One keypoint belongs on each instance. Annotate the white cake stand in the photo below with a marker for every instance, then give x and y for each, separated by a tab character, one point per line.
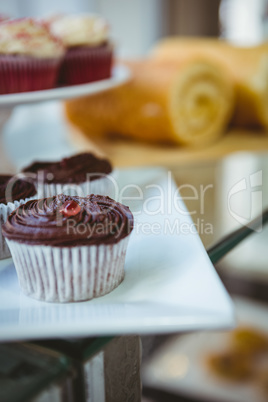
120	75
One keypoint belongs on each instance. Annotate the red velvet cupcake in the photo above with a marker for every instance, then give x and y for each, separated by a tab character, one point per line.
30	56
89	54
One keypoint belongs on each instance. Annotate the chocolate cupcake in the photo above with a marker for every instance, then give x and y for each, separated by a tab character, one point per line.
30	57
82	174
13	193
69	248
89	54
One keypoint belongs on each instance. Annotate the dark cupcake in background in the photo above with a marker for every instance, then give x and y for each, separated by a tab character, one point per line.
89	54
81	174
13	193
30	57
69	248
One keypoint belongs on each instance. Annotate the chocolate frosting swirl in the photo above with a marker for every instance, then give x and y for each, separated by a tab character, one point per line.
93	220
76	169
13	189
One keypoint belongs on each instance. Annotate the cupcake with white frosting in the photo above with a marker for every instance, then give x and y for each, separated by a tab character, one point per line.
30	56
89	52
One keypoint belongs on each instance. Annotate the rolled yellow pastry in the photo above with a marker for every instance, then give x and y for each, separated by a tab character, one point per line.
175	102
248	67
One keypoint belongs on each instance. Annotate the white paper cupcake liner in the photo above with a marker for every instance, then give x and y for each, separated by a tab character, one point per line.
5	210
67	274
102	186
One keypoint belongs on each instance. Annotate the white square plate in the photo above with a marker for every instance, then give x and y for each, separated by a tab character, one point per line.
170	284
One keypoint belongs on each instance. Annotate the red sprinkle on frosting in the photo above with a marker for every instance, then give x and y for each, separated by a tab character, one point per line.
70	208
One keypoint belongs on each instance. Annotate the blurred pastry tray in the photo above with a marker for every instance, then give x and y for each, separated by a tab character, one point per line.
170	283
179	366
123	151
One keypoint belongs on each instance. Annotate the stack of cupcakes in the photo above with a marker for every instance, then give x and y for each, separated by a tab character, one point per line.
37	55
67	247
